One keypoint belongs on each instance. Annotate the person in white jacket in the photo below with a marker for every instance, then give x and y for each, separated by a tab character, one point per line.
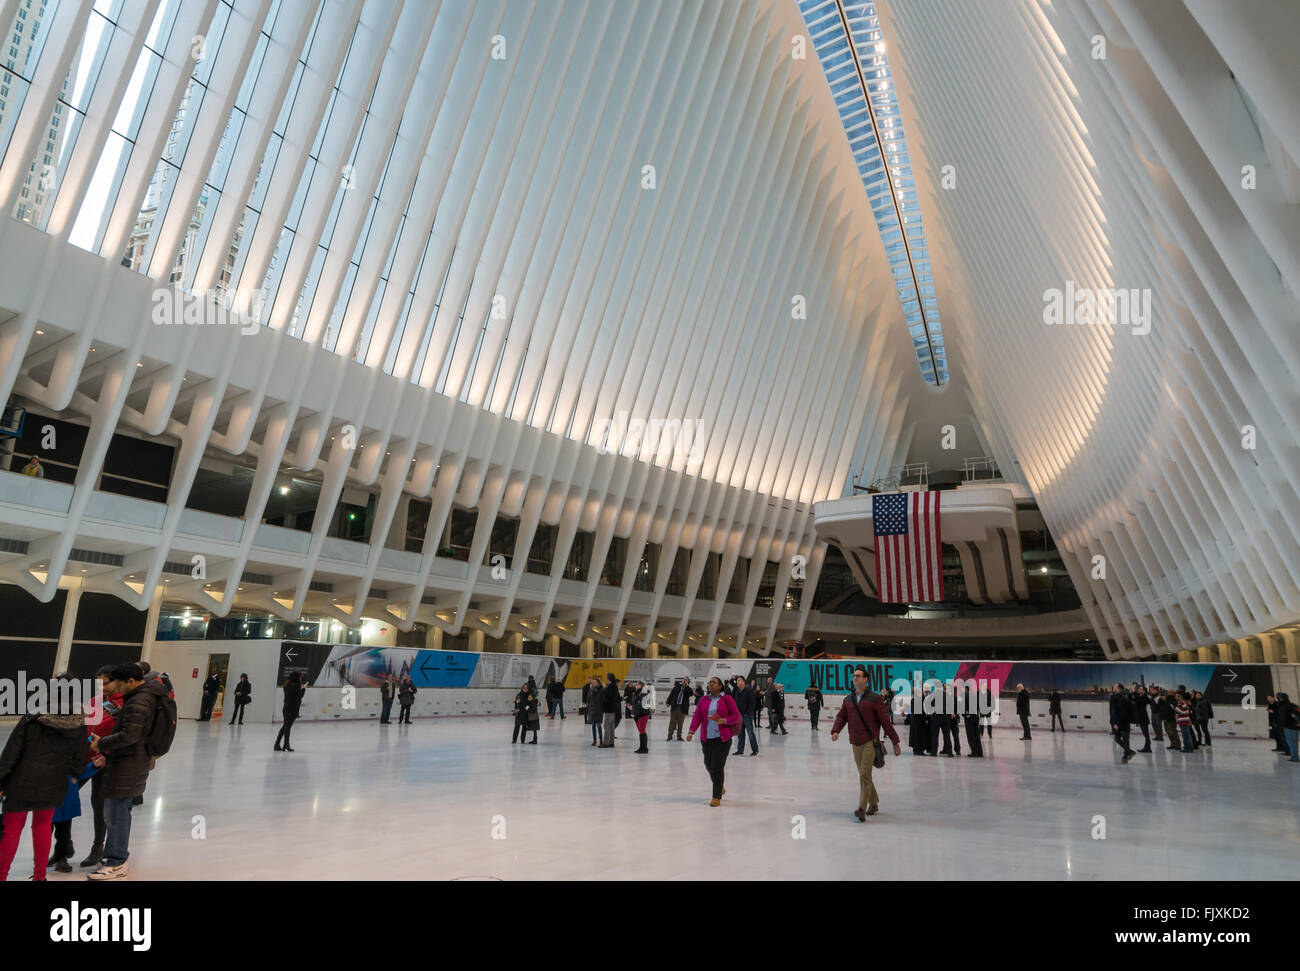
643	708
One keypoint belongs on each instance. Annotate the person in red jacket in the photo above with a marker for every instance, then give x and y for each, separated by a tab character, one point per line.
718	715
865	714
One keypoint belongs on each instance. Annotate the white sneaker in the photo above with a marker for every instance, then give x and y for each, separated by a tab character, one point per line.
106	872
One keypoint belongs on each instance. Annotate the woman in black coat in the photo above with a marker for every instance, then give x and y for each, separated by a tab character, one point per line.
294	690
243	695
526	716
43	751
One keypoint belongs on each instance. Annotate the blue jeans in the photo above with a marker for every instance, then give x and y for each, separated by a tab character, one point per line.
1292	736
117	814
597	732
747	725
1188	741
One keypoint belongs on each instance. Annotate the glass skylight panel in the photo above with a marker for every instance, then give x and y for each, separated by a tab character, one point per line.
880	155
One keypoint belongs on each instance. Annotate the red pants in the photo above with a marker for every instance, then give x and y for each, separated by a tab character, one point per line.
13	830
641	723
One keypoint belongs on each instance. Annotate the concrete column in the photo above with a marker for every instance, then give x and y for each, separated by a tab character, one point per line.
476	641
620	649
587	648
1290	646
433	638
516	642
1189	657
1252	651
1270	648
151	624
396	539
552	646
66	629
653	649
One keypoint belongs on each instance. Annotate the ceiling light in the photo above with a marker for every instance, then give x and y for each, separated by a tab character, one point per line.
284	490
1042	569
41	332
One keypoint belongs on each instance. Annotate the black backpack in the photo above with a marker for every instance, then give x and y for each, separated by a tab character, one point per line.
162	730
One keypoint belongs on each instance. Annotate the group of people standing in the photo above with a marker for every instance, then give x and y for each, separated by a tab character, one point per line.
1181	715
404	691
933	715
604	706
1284	725
50	756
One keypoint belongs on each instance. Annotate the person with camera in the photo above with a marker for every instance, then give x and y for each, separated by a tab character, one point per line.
611	703
679	706
132	750
294	691
865	715
813	696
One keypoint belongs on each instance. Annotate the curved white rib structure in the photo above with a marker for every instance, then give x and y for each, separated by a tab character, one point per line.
474	242
475	235
1126	171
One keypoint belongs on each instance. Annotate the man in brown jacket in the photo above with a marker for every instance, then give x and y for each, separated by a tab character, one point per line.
865	714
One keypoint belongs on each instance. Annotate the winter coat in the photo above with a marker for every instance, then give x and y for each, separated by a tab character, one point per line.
526	709
610	699
865	725
406	693
128	761
1054	703
293	695
1022	703
679	699
1121	710
592	697
243	691
43	751
212	685
643	704
814	697
729	725
746	703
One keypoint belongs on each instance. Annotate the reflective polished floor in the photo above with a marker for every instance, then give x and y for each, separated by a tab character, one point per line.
453	798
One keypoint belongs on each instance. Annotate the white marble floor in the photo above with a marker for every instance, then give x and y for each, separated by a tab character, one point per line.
363	801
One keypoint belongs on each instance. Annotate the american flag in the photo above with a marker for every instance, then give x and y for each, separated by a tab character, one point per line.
909	562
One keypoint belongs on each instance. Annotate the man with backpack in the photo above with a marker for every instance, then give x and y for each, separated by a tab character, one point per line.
865	715
142	733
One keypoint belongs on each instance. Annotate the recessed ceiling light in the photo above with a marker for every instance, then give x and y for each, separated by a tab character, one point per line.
41	332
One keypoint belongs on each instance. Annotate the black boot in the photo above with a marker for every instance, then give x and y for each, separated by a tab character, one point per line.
645	745
96	852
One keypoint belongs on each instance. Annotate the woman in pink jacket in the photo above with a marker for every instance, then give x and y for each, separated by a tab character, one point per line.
718	715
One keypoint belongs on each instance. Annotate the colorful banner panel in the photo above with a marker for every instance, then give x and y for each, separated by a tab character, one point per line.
325	665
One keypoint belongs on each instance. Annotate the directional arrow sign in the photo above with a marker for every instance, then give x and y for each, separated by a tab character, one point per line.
1231	674
288	653
424	664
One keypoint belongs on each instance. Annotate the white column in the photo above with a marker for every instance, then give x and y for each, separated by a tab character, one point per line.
65	630
151	624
